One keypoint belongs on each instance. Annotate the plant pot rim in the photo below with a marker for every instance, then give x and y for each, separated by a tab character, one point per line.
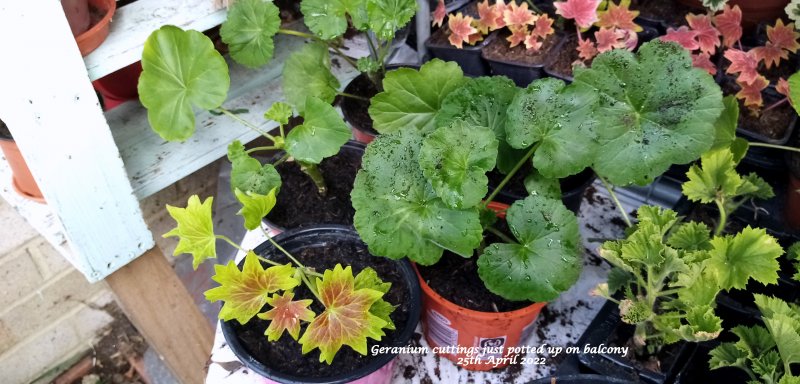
350	144
405	333
488	316
89	40
548	59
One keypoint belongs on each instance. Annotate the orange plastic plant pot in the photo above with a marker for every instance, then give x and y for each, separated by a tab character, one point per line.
94	36
22	179
446	324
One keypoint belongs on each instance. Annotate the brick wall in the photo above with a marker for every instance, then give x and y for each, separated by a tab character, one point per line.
49	314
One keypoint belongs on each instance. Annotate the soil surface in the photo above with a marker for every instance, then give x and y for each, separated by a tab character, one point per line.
356	111
499	50
285	355
289	10
456	279
299	202
773	123
668	11
561	65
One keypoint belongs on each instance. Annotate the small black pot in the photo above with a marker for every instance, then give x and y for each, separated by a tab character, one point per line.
468	58
580	379
350	146
354	110
296	240
572	189
601	330
523	74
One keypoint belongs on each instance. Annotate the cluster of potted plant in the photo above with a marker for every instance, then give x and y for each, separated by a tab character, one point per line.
473	179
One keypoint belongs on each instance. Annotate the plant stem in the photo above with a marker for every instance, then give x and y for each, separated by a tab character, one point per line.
312	170
281	160
285	252
613	195
776	104
352	96
774	146
246	123
501	235
256	149
229	241
723	217
312	288
268	261
304	35
510	174
667	292
283	135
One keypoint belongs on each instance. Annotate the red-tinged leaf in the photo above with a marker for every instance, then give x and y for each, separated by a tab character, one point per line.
439	14
782	87
628	39
500	10
618	16
729	24
707	35
751	92
543	27
518	36
286	314
346	319
607	39
245	292
684	36
771	54
518	15
488	17
460	29
702	60
584	12
474	38
532	43
743	63
784	36
586	49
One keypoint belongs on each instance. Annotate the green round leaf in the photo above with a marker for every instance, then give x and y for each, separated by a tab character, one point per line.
321	135
455	160
180	69
483	101
560	120
654	110
247	173
328	18
794	91
397	212
307	72
386	17
249	30
547	259
412	98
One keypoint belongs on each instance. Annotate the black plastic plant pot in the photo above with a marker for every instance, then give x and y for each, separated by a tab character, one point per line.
335	208
581	379
572	189
698	371
356	112
605	329
468	58
321	248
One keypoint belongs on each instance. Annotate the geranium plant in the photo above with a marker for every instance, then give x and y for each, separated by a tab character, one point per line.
526	24
720	32
614	22
354	308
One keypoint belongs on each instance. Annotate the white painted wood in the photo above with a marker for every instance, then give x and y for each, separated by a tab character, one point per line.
133	23
154	164
55	117
423	27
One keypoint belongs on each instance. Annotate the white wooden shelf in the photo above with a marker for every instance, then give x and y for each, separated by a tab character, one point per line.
133	23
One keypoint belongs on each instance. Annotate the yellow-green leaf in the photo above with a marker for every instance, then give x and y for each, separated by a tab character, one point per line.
347	319
255	207
195	230
245	292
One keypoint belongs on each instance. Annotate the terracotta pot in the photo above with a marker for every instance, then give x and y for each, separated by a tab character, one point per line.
448	325
753	11
120	86
22	179
94	36
77	13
